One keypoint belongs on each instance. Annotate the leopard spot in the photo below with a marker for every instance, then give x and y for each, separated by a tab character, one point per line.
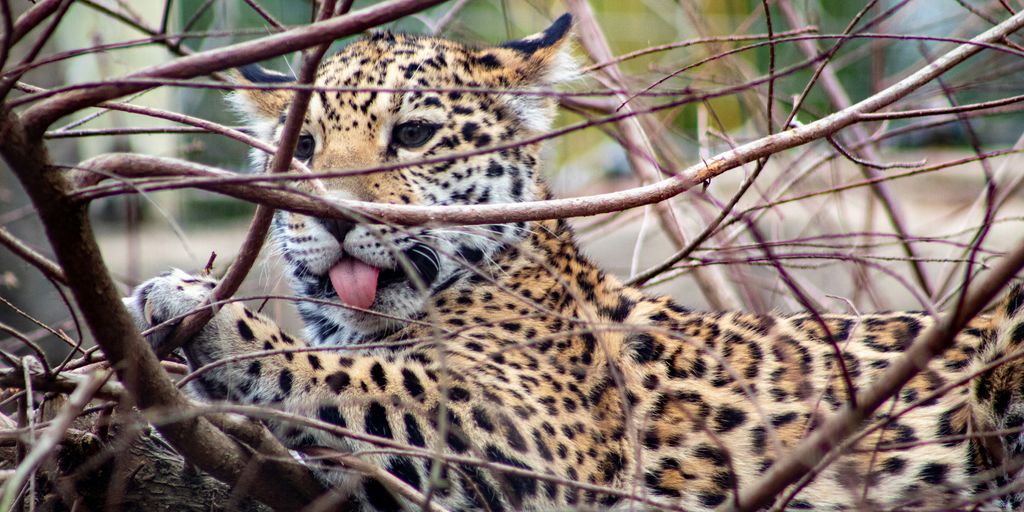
376	421
331	414
284	381
337	381
378	376
245	331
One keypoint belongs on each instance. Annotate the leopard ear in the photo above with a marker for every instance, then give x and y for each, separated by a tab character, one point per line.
260	106
537	61
540	59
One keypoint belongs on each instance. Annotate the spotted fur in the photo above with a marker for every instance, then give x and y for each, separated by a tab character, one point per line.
527	368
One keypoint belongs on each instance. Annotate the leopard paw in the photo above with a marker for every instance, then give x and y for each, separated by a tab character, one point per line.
169	296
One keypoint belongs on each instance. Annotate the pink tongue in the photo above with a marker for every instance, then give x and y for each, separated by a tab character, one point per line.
354	281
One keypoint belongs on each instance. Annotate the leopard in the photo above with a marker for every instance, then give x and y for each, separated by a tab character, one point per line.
495	367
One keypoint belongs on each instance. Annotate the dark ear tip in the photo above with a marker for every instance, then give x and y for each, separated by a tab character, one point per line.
259	75
385	35
560	26
550	36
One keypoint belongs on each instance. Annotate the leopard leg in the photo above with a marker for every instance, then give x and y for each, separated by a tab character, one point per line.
371	404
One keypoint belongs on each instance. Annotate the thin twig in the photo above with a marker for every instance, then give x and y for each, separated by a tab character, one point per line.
37	46
202	124
837	95
269	18
874	165
448	17
926	112
639	149
692	42
192	20
393	483
31	256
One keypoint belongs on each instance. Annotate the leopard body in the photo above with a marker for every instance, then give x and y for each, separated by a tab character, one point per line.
499	369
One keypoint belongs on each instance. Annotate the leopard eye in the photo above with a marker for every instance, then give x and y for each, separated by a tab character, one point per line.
413	134
305	147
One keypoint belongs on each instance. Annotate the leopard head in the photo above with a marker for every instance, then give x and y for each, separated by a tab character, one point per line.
429	110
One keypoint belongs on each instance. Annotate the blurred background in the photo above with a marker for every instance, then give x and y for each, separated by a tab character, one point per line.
830	230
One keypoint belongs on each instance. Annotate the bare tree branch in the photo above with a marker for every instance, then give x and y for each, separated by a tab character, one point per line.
45	445
30	255
68	229
837	94
32	18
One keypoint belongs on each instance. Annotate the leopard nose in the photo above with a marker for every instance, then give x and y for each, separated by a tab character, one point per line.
338	228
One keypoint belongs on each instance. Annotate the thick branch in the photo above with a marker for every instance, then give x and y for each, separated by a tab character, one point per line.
70	234
32	18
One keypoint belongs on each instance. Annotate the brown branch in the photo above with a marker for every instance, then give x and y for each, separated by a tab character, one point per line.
32	18
39	117
127	130
640	150
695	243
70	234
30	256
37	46
887	177
47	443
447	18
192	20
17	335
692	42
265	15
924	112
65	382
874	165
267	413
133	21
391	482
6	35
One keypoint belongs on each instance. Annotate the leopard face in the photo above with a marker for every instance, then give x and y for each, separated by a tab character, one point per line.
407	103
